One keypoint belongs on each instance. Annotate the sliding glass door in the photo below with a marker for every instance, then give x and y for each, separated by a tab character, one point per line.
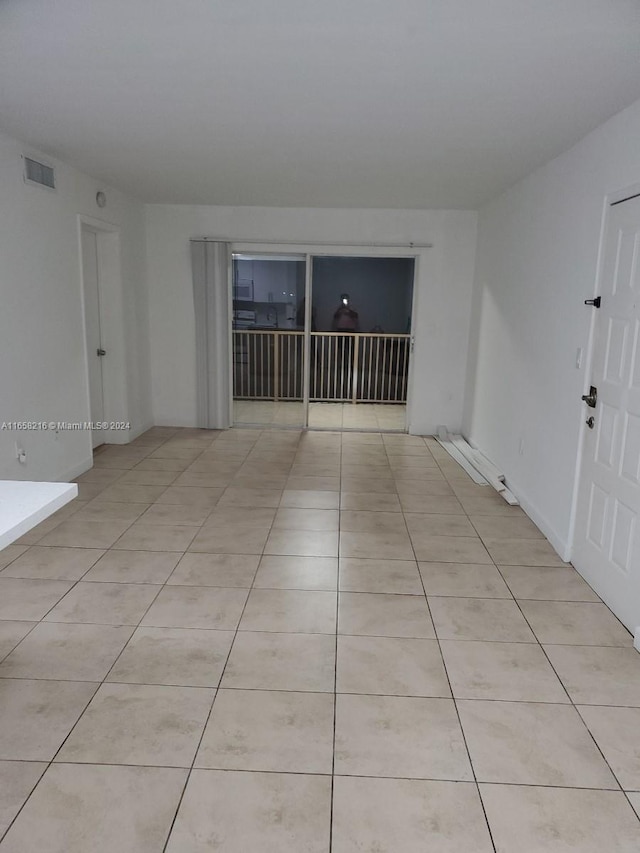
321	341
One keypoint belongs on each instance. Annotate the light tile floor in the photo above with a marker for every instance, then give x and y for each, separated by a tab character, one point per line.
383	417
283	642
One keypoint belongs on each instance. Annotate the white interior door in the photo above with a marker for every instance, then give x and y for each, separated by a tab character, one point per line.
90	278
607	542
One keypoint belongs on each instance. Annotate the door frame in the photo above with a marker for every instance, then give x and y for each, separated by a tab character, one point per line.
92	307
309	251
611	198
111	306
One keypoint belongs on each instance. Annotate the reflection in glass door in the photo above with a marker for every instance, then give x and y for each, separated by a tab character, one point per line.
268	322
360	342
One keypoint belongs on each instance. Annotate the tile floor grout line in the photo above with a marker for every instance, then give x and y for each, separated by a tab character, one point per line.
98	684
570	703
9	678
544	652
573	704
32	628
195	754
211	709
4	832
455	705
238	630
335	662
604	757
328	775
49	763
104	679
464	736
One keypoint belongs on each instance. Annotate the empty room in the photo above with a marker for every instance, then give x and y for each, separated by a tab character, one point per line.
320	426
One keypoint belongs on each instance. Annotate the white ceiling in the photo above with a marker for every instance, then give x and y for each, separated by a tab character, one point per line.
339	103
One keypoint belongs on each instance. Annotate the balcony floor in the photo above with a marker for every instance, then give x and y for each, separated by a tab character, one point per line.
382	417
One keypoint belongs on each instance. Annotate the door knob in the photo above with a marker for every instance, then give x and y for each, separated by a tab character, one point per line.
590	422
591	398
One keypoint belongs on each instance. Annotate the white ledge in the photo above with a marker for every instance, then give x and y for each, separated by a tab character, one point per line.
23	504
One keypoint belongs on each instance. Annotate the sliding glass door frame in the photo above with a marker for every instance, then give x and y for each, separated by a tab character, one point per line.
308	252
308	310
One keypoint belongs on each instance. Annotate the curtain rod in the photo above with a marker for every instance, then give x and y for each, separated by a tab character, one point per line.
355	245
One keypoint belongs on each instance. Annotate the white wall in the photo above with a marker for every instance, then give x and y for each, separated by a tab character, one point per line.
445	275
536	263
42	348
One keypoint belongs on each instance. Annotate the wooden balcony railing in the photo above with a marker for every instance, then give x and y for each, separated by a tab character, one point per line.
345	367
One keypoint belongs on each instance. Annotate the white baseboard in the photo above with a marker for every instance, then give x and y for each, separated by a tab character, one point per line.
76	470
188	423
138	431
124	436
558	543
86	464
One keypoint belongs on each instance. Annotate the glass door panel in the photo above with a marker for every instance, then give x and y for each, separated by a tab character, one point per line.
360	342
268	340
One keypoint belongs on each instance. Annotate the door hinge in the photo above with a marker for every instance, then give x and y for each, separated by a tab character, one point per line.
595	302
101	352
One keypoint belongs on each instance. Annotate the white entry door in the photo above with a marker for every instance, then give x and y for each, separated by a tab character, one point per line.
90	278
607	542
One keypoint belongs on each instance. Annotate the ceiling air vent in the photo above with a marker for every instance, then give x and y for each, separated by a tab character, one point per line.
39	173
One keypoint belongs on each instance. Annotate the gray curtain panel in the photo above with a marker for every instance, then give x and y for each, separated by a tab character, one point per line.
210	265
